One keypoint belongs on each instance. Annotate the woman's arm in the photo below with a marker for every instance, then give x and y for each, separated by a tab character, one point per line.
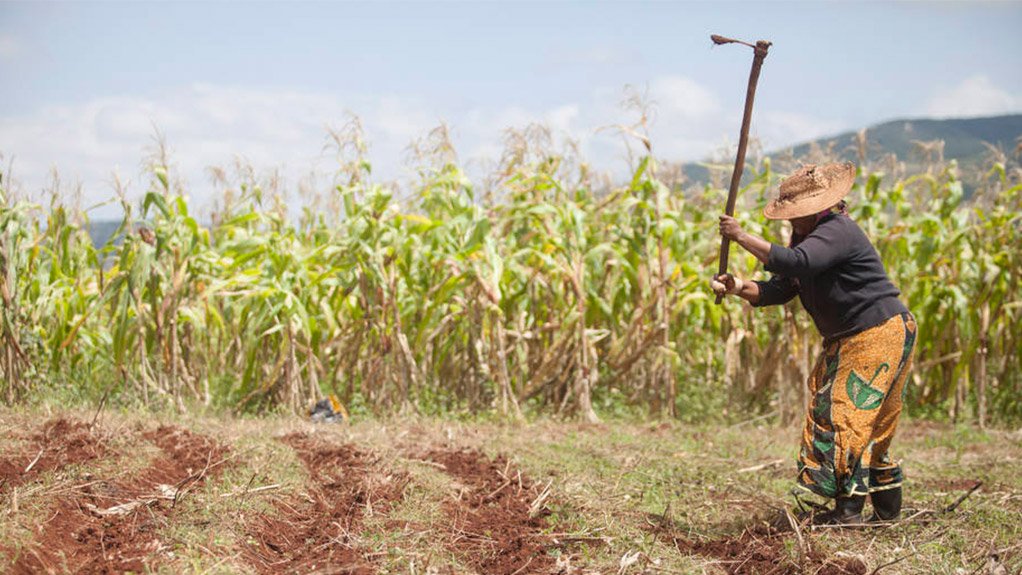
727	284
778	291
755	245
830	243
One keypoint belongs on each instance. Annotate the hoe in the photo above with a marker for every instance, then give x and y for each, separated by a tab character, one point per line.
759	54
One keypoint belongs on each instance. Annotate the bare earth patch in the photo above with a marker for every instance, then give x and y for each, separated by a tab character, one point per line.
321	531
112	527
498	517
57	444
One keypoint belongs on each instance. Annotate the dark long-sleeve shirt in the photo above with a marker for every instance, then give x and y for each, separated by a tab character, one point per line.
839	277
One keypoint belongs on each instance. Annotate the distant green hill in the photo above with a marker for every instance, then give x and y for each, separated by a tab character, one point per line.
963	141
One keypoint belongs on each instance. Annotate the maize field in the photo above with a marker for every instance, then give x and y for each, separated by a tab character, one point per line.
539	289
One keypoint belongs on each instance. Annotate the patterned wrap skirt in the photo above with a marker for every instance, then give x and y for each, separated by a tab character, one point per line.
856	392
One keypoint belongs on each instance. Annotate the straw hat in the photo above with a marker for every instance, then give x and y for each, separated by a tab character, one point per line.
811	190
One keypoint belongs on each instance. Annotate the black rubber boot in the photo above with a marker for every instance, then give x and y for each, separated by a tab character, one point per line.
847	511
886	504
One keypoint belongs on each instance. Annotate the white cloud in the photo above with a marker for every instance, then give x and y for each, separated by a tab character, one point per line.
974	96
687	118
678	97
204	125
562	117
779	129
286	129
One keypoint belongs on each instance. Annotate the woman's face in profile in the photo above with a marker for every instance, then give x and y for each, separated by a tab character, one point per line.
802	226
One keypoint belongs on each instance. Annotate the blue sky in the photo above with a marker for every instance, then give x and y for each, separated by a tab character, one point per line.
82	84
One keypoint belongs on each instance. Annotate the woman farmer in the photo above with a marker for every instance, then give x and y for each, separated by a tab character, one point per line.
857	385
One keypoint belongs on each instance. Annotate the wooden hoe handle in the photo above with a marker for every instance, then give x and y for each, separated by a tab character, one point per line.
760	53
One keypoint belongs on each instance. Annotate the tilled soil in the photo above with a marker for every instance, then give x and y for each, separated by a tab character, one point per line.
497	518
321	533
494	516
57	444
112	526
